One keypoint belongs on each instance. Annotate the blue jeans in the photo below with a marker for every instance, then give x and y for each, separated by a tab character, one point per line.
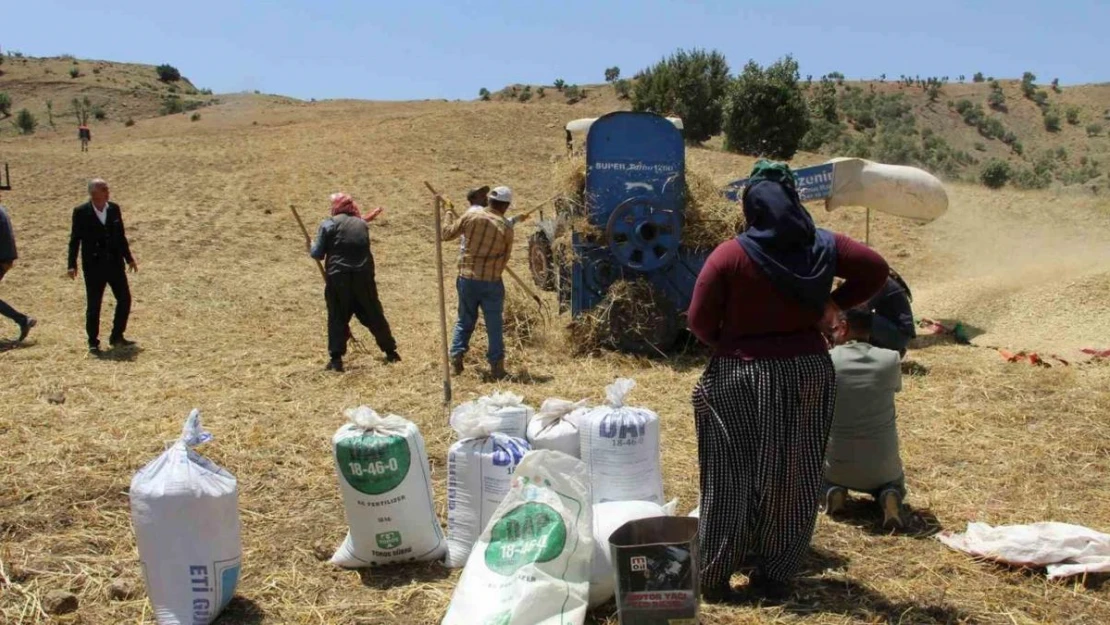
490	298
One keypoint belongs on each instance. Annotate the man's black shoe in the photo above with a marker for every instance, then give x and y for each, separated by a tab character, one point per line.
335	364
25	328
119	341
392	357
94	349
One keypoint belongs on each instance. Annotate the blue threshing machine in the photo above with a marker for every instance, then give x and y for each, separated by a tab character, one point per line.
634	204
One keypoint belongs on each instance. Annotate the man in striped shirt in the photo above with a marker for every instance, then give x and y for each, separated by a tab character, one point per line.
488	244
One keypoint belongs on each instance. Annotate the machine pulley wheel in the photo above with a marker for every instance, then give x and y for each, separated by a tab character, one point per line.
541	261
643	236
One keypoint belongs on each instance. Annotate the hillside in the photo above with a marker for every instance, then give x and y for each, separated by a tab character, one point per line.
938	136
230	318
122	90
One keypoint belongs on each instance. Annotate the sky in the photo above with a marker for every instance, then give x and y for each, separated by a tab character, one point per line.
425	49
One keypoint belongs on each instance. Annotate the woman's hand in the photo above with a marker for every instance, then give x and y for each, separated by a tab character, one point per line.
373	214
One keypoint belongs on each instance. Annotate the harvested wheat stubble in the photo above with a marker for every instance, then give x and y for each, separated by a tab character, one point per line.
981	439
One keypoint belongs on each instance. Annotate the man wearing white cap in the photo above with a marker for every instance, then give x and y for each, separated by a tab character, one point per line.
486	249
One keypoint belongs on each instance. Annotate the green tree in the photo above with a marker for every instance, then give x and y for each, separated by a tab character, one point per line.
559	84
690	84
5	104
765	112
612	73
978	77
1028	84
168	73
995	174
483	94
26	122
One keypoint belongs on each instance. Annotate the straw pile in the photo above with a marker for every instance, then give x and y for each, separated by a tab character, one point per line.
710	218
524	324
629	309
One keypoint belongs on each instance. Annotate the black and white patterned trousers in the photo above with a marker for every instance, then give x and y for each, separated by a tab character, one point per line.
762	426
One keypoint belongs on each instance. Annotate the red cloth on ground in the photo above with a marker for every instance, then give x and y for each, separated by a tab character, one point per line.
739	312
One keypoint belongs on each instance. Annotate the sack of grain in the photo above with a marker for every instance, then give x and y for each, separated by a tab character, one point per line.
502	412
607	518
479	471
185	510
531	565
620	446
386	485
555	426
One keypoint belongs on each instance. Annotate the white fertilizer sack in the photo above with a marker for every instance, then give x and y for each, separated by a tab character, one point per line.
620	446
185	510
555	426
386	485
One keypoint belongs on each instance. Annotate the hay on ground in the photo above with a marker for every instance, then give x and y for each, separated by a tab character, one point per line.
524	323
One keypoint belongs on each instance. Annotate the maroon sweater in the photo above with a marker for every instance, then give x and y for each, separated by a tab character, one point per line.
741	314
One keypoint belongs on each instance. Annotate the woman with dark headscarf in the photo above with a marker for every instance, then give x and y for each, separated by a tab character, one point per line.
764	405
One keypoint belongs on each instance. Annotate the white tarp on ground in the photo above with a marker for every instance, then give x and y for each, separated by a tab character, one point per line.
1063	549
897	190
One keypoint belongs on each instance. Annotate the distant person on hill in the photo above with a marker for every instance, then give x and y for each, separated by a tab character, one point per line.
85	135
98	234
892	325
489	243
862	453
8	256
343	243
764	405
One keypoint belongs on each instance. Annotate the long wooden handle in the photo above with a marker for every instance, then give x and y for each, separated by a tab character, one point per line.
442	299
308	240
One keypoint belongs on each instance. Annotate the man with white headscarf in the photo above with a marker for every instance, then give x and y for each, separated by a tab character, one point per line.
343	243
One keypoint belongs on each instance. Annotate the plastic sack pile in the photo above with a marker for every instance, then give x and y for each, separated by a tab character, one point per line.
185	510
1061	548
386	485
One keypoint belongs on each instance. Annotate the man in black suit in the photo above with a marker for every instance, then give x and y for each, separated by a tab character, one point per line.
98	233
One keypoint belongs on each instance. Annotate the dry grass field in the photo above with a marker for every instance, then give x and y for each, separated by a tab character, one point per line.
230	316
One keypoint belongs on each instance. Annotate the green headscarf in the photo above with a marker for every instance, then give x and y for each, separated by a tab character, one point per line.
774	171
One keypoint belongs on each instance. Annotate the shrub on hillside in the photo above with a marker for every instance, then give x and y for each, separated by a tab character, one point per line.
933	92
195	117
1040	96
821	132
997	100
129	123
995	174
612	74
171	105
1094	130
26	122
1017	148
963	106
168	73
822	101
1028	84
483	94
99	114
691	84
978	77
525	94
541	92
74	72
979	146
1052	121
5	104
991	128
623	88
765	112
1072	115
574	94
1031	178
